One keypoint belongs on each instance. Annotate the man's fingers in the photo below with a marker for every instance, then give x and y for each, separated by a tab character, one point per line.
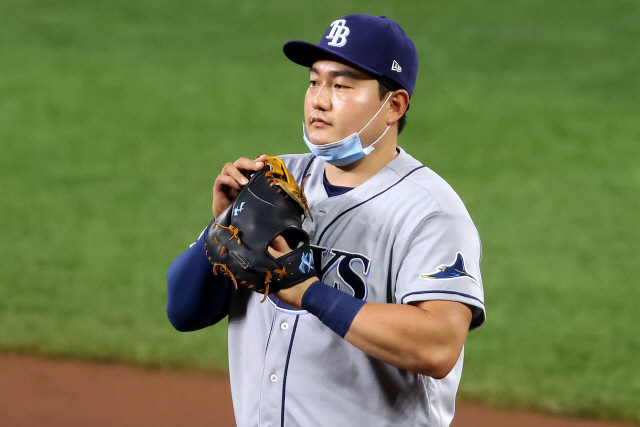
225	189
244	164
233	171
278	247
226	180
274	253
280	244
238	169
231	180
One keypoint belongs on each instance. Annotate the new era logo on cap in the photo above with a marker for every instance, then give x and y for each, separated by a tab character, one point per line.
396	67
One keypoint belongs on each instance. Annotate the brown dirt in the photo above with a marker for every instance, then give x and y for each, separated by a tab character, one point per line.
52	393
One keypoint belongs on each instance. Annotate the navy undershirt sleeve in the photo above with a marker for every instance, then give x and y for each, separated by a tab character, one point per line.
196	298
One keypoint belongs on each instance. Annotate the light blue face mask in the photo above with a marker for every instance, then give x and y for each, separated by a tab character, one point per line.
347	150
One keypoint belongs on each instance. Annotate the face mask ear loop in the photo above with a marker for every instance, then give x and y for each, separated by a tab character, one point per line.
376	115
370	148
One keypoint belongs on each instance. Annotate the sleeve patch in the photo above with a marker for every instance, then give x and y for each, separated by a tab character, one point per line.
456	269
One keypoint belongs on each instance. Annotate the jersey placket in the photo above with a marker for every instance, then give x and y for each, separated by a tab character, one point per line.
272	399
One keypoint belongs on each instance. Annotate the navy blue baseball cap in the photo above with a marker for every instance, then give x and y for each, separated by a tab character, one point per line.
375	44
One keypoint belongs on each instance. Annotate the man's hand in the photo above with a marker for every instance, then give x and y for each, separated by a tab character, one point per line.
231	180
292	295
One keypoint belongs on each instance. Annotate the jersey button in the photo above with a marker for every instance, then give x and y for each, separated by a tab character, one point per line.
273	378
284	326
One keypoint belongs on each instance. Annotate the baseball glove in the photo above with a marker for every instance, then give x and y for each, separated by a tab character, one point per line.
270	205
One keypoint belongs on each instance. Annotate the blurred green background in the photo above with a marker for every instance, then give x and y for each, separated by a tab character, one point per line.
116	116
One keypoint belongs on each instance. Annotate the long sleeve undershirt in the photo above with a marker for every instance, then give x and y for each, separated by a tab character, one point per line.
196	298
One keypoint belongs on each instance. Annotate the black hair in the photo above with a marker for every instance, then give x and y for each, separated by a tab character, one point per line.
385	86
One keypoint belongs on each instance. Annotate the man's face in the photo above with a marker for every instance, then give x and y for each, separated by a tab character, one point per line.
341	100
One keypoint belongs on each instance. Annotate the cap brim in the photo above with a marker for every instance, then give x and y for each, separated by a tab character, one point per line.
305	54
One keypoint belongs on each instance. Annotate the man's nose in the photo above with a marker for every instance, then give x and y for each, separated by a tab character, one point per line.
322	99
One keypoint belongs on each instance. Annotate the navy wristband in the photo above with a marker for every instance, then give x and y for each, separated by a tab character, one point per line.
334	308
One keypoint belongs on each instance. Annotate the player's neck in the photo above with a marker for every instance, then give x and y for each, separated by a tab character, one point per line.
357	173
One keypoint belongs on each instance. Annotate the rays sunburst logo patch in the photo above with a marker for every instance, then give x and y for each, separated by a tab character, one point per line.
456	269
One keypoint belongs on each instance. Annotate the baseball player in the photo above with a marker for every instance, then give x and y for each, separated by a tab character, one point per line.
376	337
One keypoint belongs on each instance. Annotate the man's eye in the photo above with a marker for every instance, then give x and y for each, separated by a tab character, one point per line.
339	86
313	83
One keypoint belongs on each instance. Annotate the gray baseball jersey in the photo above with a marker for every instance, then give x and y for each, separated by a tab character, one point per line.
402	236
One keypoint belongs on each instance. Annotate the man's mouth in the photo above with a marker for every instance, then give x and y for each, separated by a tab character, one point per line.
319	122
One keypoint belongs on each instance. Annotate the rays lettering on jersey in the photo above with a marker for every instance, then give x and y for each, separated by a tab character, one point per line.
343	270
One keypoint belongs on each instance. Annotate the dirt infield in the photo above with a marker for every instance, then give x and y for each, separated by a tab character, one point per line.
46	393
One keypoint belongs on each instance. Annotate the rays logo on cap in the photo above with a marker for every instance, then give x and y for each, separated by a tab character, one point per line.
339	33
457	269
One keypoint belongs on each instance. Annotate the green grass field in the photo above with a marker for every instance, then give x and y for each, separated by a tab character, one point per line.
116	116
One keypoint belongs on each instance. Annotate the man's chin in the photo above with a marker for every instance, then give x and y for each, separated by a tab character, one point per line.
318	139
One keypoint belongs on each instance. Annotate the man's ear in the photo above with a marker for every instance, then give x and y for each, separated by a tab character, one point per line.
398	105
